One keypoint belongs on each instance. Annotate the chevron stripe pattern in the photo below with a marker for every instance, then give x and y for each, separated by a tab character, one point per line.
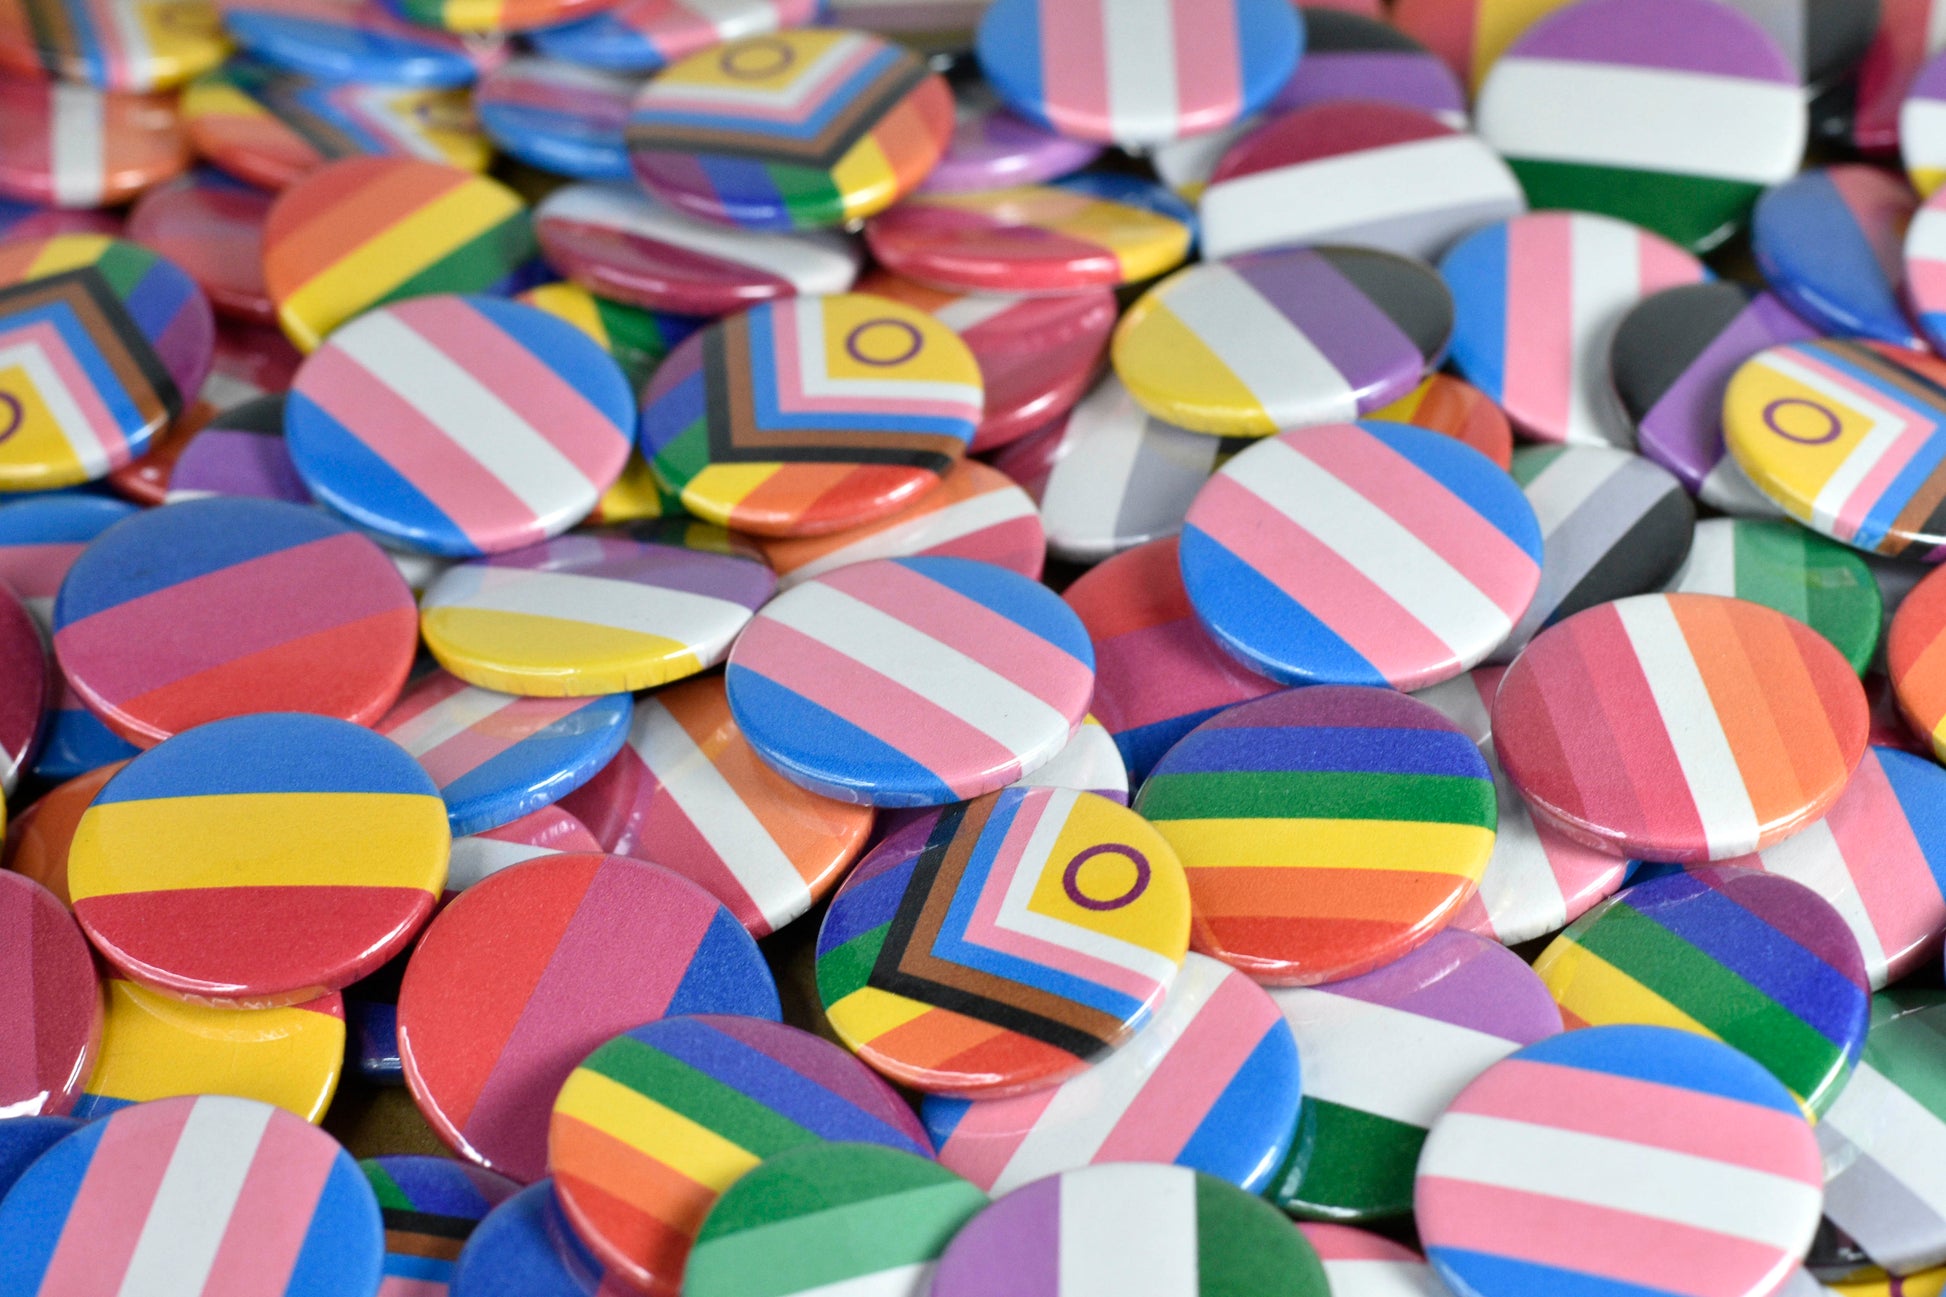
1021	935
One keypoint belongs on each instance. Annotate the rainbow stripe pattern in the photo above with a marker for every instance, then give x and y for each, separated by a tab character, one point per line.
1709	1180
1196	68
460	425
495	756
690	793
798	130
366	231
1752	959
1368	553
1847	439
1325	831
1603	721
659	1121
1210	1083
199	1195
811	415
1005	944
112	44
532	968
168	874
430	1205
105	342
912	681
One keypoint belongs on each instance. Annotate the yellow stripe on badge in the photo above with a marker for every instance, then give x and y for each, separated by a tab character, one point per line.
507	650
719	482
868	1013
1595	991
1153	339
1405	845
635	1119
1793	431
269	840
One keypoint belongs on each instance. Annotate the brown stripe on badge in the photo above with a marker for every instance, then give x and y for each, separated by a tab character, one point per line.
118	342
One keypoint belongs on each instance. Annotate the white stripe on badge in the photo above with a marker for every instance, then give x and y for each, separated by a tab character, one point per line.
1569	481
466	412
818	381
1129	1228
1695	731
1375	1058
1711	567
69	419
1875	1118
1140	53
1310	202
823	262
1411	573
476	857
1649	119
1519	878
1623	1176
448	718
191	1211
956	521
1605	267
973	310
723	818
1118	456
900	1281
78	144
1382	1279
694	619
964	686
1252	339
1886	430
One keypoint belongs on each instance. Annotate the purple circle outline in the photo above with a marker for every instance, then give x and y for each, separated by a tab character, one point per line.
851	342
1770	421
1071	877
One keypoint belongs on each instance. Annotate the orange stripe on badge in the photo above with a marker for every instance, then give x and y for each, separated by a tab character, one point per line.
341	223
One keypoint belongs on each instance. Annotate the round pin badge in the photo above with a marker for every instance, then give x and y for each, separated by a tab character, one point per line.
1688	711
272	128
213	229
1158	673
550	831
1210	1083
560	117
1612	525
147	631
1330	173
1831	243
430	1207
1925	267
1596	108
994	147
355	40
493	17
1384	1054
811	415
911	682
956	1003
241	452
1672	359
251	1195
1879	1131
1325	831
1358	55
1367	553
363	232
1456	409
461	425
1799	573
50	1007
496	757
1755	960
689	792
1066	66
174	881
1538	879
1812	424
797	130
595	614
112	341
155	1046
830	1217
525	1248
1094	230
1131	1226
528	970
37	840
1037	355
30	683
624	245
137	45
638	340
637	37
1507	1202
653	1126
1108	475
1538	300
976	512
24	1139
1283	338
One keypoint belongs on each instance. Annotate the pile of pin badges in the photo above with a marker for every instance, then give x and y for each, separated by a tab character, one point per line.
1041	648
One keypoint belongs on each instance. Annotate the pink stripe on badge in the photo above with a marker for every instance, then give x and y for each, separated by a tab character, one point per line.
1886	865
46	339
1885	469
492	735
788	373
1193	1076
105	1220
36	571
456	483
1209	64
1074	39
989	1134
270	1222
1538	348
883	708
996	642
